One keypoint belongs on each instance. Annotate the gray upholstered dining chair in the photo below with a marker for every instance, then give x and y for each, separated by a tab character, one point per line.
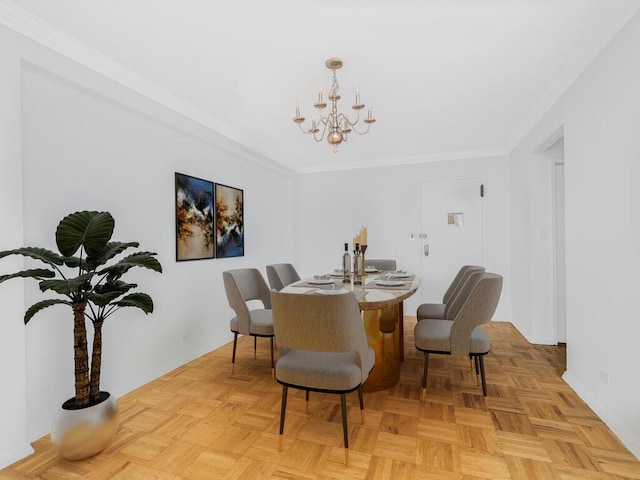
381	264
323	348
281	274
243	285
440	310
464	335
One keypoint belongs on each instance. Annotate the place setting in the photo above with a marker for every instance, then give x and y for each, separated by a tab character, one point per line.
316	281
396	280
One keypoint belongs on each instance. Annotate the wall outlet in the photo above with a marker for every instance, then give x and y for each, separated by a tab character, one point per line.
604	376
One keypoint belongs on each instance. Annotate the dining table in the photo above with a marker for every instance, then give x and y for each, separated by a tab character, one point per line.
380	298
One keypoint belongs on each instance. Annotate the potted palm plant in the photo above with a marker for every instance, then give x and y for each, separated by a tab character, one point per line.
86	276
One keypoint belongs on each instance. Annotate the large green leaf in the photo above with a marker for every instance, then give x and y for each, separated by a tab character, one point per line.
118	286
138	300
75	262
103	299
110	250
139	259
42	254
37	273
91	230
35	308
70	286
107	293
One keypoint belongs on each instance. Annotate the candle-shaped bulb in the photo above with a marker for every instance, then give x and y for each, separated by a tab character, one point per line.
370	108
297	108
357	95
320	95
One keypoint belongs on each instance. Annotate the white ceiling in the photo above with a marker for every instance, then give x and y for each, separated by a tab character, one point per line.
447	78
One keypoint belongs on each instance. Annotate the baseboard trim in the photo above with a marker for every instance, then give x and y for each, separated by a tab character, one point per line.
12	456
629	438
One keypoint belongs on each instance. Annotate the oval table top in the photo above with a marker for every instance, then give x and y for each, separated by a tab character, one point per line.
382	316
371	295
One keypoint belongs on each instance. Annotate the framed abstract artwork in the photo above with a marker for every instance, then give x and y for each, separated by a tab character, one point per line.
229	221
194	218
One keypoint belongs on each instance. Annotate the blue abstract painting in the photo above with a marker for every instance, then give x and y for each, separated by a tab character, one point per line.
229	221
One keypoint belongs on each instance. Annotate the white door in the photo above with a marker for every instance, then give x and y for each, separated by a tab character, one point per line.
452	232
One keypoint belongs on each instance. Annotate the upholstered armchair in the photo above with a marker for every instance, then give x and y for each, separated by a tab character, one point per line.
241	286
323	348
464	335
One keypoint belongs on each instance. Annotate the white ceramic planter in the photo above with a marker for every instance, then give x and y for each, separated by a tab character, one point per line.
81	433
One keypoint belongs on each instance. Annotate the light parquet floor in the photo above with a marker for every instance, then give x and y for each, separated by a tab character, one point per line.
201	422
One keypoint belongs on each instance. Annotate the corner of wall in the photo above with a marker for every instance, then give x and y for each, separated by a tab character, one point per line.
622	430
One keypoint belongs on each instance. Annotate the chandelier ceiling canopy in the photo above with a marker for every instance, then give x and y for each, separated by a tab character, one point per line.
333	125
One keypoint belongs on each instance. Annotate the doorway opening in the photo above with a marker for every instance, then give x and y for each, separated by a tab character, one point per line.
556	155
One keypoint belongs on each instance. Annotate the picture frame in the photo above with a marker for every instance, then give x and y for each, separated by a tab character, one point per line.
229	228
195	211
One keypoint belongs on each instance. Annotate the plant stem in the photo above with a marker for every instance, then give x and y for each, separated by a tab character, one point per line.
96	361
81	354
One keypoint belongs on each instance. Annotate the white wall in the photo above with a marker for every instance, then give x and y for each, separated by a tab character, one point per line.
13	440
307	222
89	143
599	114
334	205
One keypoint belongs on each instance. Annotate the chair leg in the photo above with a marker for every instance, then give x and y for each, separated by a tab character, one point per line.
283	409
482	375
233	355
273	365
306	401
361	399
255	344
345	430
475	358
424	375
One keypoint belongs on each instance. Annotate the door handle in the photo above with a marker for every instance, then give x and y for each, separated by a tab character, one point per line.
426	250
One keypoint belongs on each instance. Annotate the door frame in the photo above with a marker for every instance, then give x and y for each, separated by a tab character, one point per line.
548	152
554	161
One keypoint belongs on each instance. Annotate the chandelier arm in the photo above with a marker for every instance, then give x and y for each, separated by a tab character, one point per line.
353	129
342	116
302	129
324	129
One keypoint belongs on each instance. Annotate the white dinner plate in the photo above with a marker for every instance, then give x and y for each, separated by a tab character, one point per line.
389	283
321	281
323	291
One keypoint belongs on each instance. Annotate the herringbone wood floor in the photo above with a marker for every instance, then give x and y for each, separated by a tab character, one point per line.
201	422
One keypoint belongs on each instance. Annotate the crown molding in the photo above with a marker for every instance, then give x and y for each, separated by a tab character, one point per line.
409	160
578	64
34	28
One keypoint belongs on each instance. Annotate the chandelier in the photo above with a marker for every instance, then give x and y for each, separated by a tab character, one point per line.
335	126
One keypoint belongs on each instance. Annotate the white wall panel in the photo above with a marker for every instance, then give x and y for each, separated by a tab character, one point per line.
387	201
